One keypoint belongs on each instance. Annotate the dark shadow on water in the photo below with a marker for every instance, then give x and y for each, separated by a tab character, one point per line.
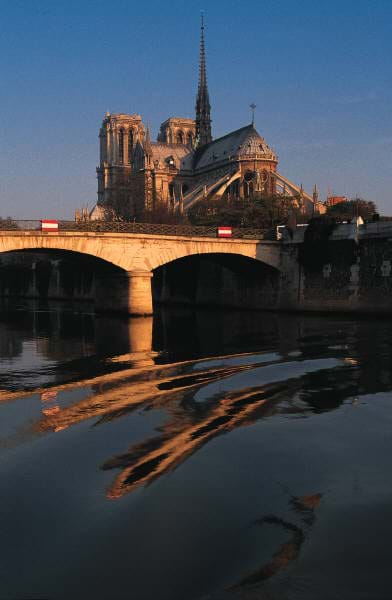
288	552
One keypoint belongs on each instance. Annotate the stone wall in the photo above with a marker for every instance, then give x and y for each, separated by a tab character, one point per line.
350	276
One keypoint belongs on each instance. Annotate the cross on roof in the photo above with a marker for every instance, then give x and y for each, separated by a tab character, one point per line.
253	106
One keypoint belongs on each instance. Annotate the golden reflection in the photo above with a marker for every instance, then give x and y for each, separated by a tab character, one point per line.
116	393
350	361
139	363
187	432
190	424
171	387
140	334
306	503
50	405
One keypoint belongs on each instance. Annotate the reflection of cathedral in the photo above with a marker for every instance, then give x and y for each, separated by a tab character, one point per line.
184	165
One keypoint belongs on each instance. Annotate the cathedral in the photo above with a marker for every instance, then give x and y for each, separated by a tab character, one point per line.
186	165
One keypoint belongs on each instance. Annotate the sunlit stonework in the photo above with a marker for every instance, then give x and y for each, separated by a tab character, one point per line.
185	165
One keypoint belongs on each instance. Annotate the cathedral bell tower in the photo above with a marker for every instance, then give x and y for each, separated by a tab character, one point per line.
203	108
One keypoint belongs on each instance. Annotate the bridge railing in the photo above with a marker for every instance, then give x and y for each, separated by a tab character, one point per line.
141	228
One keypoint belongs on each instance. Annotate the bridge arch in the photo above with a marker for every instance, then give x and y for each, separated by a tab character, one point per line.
139	251
138	256
217	279
57	274
78	244
268	254
63	253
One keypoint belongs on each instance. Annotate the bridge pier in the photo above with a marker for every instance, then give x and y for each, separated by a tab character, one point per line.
128	292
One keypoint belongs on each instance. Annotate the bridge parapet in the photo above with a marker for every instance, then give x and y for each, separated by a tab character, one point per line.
10	225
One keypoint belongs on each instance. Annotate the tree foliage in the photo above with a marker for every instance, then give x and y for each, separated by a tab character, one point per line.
255	213
250	212
348	210
120	211
164	215
8	224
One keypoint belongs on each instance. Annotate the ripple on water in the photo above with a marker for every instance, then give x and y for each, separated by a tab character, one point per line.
239	466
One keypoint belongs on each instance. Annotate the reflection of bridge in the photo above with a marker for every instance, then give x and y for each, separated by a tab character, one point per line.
199	398
137	255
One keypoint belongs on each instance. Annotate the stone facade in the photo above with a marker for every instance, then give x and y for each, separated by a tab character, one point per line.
118	138
176	174
178	131
185	165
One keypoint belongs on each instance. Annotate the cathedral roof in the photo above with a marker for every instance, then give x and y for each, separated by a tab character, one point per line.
161	152
237	144
175	120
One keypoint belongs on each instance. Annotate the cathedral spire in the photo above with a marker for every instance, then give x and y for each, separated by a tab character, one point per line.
203	119
147	143
147	148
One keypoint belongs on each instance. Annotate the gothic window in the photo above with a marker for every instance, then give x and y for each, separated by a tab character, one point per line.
180	137
248	188
171	193
170	161
130	145
232	191
121	145
249	176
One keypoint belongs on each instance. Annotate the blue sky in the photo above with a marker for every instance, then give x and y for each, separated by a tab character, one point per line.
319	72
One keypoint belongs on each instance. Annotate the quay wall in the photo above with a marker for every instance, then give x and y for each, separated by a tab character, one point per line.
349	271
348	276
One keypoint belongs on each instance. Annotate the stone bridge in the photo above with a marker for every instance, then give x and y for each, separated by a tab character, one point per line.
137	255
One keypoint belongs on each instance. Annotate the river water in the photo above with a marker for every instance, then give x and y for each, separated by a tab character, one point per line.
199	455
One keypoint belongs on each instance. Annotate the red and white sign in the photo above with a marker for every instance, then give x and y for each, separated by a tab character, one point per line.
49	225
224	232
